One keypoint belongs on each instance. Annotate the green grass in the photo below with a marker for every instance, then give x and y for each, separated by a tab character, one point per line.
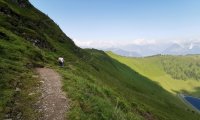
154	68
114	91
13	75
99	87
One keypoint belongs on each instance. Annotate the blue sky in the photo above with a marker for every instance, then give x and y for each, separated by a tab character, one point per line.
124	21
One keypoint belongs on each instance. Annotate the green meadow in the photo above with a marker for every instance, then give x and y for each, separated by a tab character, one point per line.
165	69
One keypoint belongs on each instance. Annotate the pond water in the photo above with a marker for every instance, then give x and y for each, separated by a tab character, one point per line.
193	101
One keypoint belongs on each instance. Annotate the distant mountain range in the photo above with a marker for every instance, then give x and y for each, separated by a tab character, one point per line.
148	50
183	49
124	52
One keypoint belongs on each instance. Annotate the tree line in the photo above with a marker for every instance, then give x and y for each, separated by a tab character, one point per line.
182	67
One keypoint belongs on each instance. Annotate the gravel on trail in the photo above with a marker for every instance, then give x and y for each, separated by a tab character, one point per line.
53	103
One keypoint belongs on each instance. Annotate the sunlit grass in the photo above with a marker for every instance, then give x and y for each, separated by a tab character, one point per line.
152	68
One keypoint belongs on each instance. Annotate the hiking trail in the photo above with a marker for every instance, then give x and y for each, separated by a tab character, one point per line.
53	103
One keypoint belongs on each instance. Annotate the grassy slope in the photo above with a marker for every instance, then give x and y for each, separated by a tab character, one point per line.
114	91
19	28
153	68
99	87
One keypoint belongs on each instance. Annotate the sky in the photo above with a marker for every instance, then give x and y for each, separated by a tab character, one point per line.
111	23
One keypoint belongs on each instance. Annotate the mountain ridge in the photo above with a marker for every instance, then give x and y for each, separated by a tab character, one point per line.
123	52
98	86
183	49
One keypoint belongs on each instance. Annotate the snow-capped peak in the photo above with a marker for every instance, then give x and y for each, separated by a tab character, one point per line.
191	46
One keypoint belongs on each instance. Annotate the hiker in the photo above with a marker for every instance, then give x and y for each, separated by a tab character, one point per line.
61	61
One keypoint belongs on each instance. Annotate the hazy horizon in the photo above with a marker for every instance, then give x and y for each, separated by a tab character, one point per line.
117	24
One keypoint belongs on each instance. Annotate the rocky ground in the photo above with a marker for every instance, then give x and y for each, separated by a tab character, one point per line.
53	103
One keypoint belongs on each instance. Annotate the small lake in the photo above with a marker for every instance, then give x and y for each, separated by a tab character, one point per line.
195	102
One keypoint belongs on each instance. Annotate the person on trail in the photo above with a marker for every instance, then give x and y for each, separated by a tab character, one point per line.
61	61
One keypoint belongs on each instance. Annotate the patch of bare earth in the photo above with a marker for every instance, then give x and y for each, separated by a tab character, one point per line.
53	103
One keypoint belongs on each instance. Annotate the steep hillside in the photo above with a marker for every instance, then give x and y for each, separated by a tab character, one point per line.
174	73
98	86
111	90
28	39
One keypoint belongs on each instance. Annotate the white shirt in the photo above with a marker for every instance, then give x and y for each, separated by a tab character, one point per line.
61	59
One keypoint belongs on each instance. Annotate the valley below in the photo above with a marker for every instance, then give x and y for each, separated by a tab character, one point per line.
176	74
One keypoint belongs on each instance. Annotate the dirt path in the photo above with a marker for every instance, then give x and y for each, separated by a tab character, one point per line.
53	103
